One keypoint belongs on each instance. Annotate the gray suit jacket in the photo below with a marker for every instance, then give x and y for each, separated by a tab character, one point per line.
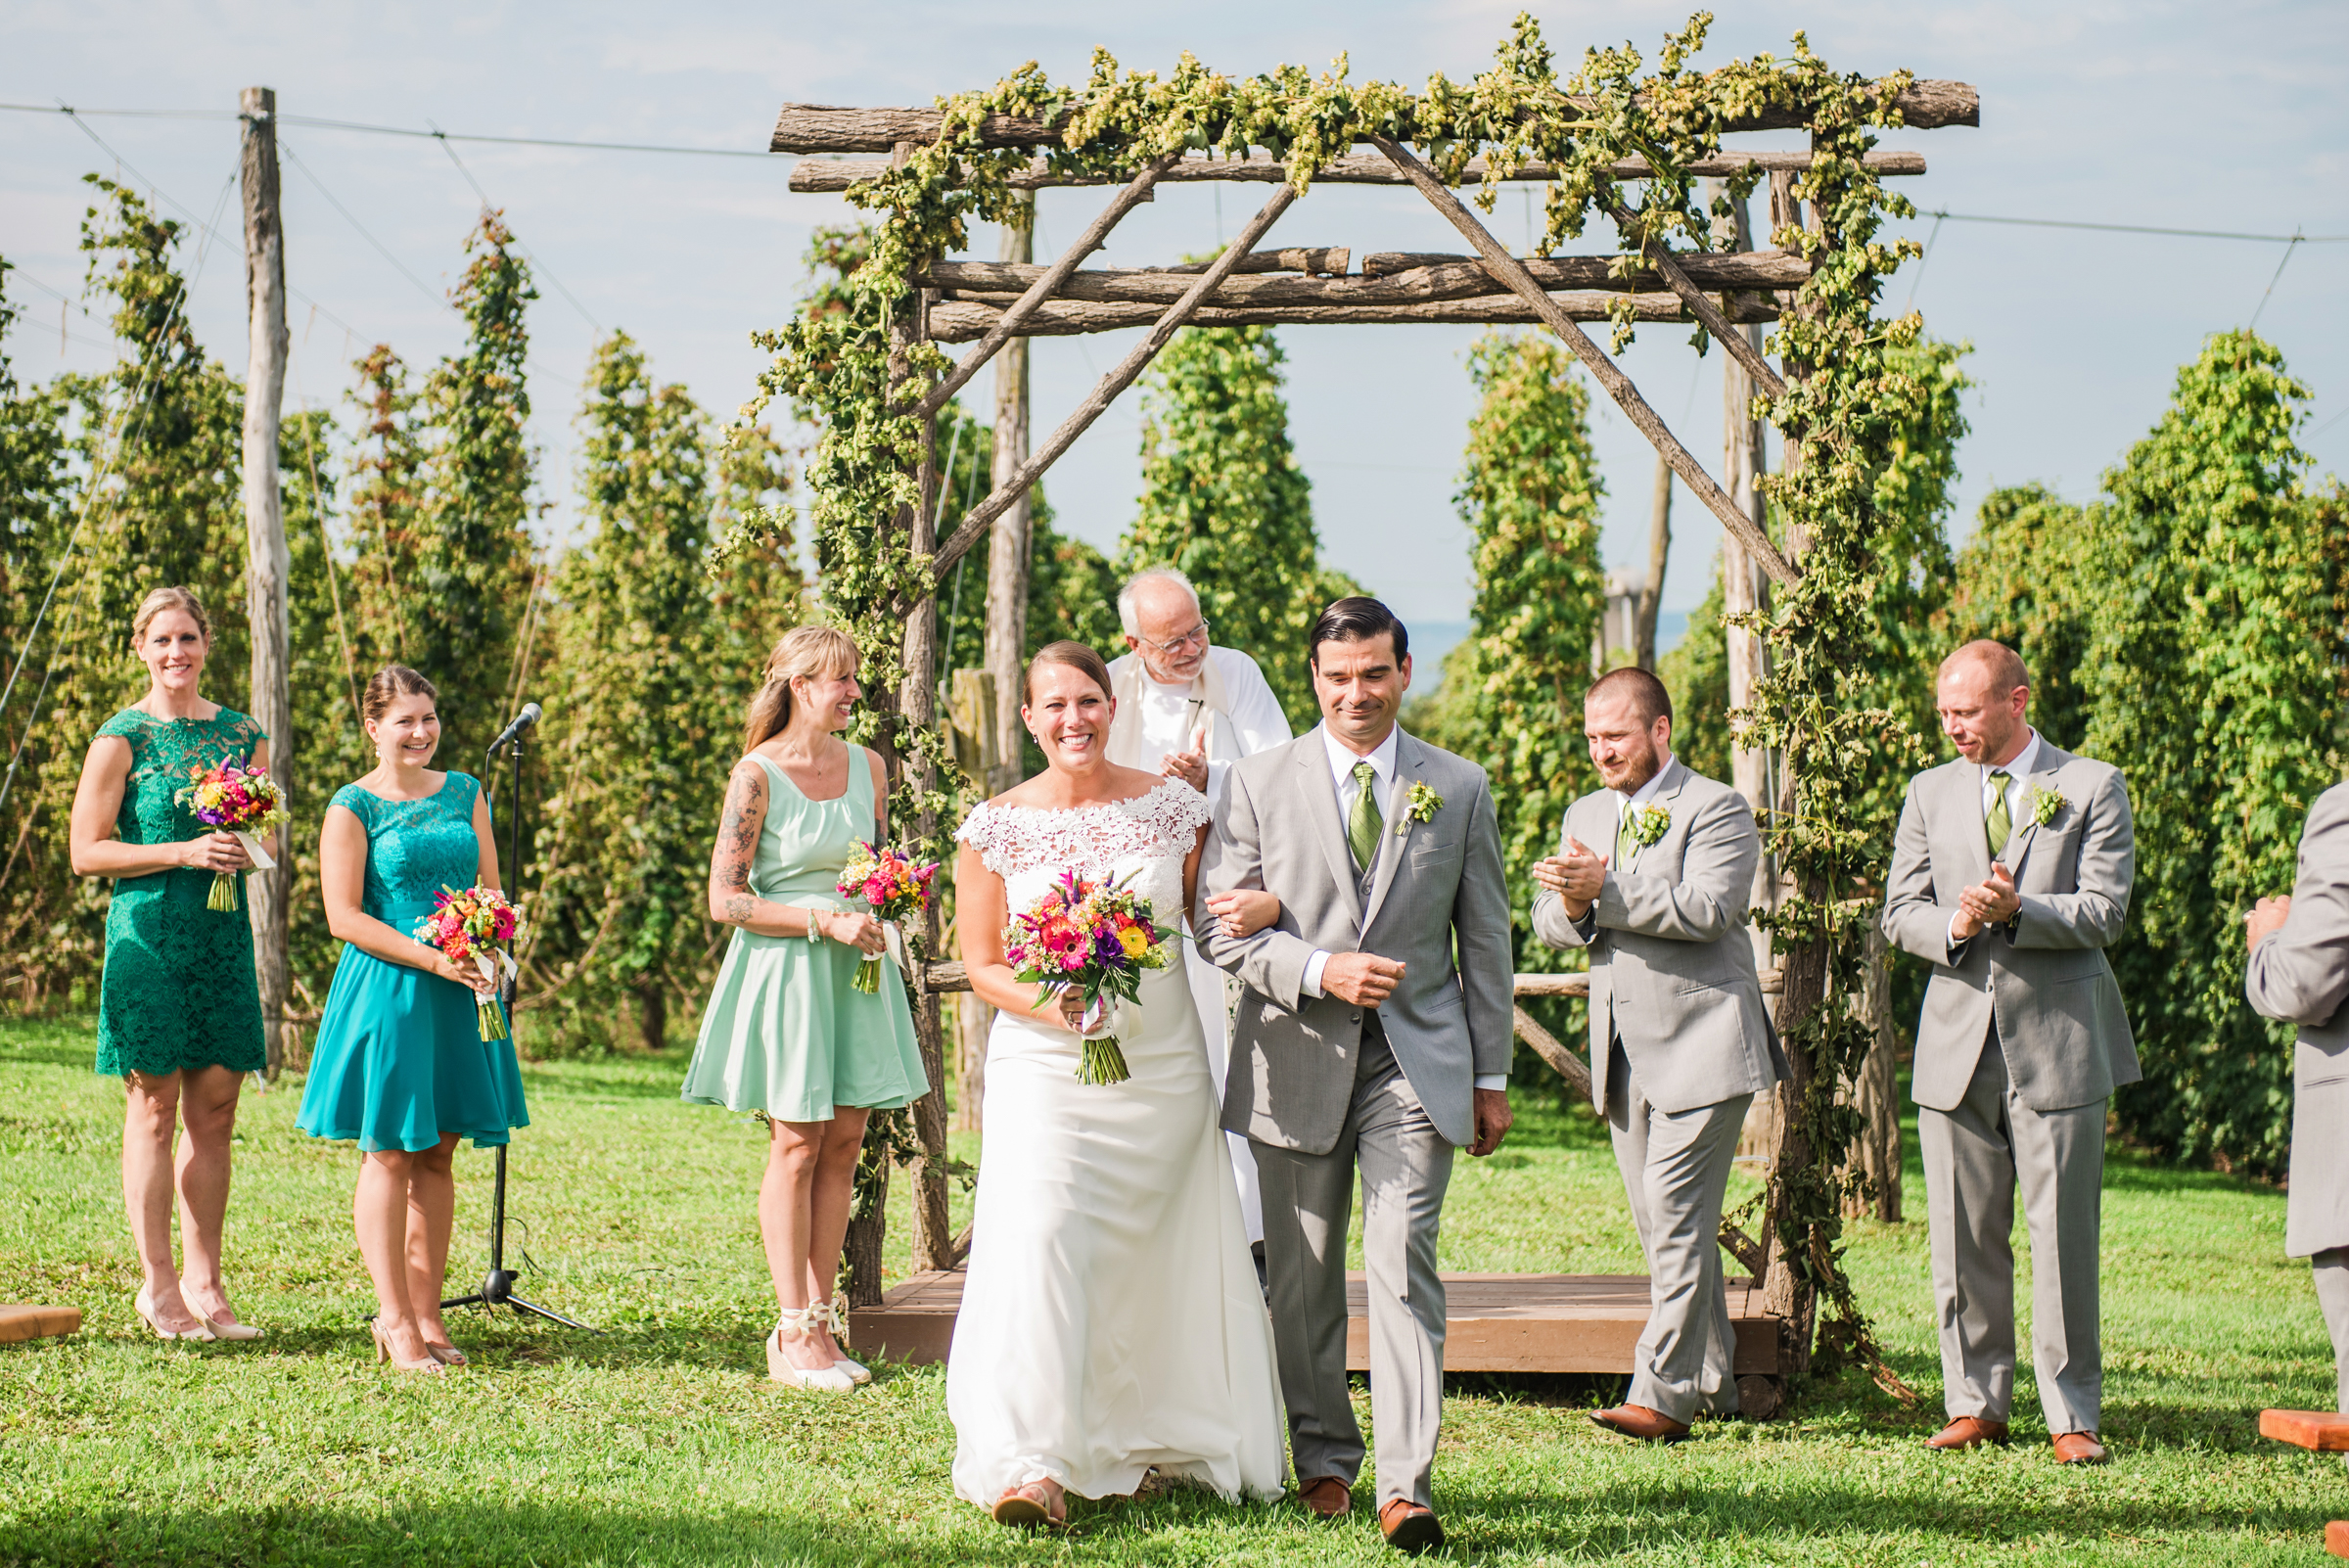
2301	975
1437	889
2044	976
1672	968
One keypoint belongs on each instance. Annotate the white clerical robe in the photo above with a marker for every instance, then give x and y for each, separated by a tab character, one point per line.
1232	703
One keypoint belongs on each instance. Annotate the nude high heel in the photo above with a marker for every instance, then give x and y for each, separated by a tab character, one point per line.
779	1369
857	1371
383	1353
231	1330
202	1332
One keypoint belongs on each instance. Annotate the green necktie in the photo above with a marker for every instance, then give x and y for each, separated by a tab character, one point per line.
2002	822
1624	845
1365	823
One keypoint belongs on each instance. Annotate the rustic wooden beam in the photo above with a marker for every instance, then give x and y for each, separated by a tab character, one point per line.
1507	270
1318	261
1677	276
1548	1047
822	175
834	129
974	524
963	321
1451	277
1007	326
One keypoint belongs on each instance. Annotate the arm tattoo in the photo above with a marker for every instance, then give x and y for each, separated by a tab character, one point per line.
737	842
739	906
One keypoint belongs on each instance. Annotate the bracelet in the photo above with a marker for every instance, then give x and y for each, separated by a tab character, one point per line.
815	937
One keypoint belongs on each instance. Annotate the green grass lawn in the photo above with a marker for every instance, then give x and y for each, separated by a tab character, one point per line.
659	1442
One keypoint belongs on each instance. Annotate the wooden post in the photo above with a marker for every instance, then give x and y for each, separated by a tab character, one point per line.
1007	561
1877	1152
268	564
974	716
1659	555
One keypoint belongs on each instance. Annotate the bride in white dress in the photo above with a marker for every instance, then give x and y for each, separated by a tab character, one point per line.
1111	1322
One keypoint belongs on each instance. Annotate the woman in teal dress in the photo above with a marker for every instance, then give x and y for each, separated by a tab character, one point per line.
179	1008
787	1032
401	1065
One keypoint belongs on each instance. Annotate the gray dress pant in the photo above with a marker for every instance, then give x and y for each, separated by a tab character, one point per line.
2332	1270
1309	1202
1675	1166
1975	1157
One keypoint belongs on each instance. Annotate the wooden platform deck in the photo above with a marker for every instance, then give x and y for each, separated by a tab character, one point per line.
1497	1322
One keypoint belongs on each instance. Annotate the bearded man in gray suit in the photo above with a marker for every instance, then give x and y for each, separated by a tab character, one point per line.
2011	875
2299	972
1680	1040
1375	1031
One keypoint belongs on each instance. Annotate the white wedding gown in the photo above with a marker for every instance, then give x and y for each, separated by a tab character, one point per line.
1111	1321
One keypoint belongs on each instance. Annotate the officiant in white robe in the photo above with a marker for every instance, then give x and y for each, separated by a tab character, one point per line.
1189	710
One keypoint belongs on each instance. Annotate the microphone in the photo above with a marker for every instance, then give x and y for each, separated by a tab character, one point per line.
530	714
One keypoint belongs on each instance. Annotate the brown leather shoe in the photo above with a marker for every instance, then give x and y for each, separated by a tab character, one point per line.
1328	1495
1408	1527
2080	1448
1639	1421
1966	1432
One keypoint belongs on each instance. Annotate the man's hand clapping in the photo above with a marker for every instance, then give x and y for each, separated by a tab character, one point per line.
1992	901
2267	917
1361	979
1576	878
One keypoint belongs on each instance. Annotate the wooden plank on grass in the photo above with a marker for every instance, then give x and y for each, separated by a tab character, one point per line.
2321	1431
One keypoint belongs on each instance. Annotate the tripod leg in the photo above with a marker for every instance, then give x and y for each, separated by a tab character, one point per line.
521	1306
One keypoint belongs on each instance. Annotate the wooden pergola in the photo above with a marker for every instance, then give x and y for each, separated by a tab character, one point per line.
1731	293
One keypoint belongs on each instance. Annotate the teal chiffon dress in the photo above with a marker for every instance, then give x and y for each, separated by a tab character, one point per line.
179	990
400	1061
787	1032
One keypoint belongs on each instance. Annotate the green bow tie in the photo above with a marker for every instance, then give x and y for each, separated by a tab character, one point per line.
2001	821
1365	823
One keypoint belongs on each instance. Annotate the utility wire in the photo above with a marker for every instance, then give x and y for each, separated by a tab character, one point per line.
2140	228
529	254
2294	245
313	123
1923	258
381	249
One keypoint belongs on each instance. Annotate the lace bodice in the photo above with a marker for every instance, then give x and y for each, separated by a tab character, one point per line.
415	847
1146	839
164	753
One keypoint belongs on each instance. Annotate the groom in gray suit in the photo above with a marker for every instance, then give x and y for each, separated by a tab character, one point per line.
2299	972
1680	1040
2011	875
1375	1031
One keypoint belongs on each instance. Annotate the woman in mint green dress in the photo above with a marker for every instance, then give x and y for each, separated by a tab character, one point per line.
179	1008
787	1032
400	1066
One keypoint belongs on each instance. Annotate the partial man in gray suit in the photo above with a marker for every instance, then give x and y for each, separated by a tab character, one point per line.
1680	1040
2011	875
2299	972
1375	1031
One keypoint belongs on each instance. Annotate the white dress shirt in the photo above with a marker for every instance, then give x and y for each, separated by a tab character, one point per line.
1235	707
1638	797
1342	763
2018	773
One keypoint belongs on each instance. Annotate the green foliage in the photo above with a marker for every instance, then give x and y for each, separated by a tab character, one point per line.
654	660
1697	675
2217	594
1224	503
328	669
2023	580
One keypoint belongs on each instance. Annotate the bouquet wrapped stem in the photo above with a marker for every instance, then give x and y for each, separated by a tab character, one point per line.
235	799
1096	938
894	886
479	928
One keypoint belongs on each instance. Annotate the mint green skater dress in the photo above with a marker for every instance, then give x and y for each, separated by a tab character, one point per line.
179	990
787	1032
400	1060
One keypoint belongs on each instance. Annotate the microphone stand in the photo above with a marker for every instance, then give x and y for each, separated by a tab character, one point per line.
497	1286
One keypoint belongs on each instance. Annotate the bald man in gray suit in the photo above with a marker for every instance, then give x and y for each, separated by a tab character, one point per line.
2011	875
2299	972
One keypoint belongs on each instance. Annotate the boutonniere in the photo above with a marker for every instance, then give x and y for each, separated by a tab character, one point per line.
1421	805
2045	803
1648	823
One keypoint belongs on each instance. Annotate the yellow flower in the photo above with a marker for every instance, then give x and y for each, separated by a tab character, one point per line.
1134	942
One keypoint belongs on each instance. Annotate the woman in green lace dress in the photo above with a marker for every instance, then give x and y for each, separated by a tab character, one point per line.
400	1067
787	1032
179	1008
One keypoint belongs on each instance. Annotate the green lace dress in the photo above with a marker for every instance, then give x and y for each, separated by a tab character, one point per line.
179	990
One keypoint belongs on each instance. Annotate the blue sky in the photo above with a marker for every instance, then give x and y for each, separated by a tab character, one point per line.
2175	114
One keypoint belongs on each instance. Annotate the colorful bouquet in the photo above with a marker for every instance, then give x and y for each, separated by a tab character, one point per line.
894	886
1097	936
244	801
476	926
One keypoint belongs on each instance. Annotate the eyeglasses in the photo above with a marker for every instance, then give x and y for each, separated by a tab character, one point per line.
1197	634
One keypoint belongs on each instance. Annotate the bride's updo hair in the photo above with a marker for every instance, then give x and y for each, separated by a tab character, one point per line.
806	652
387	685
1075	655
